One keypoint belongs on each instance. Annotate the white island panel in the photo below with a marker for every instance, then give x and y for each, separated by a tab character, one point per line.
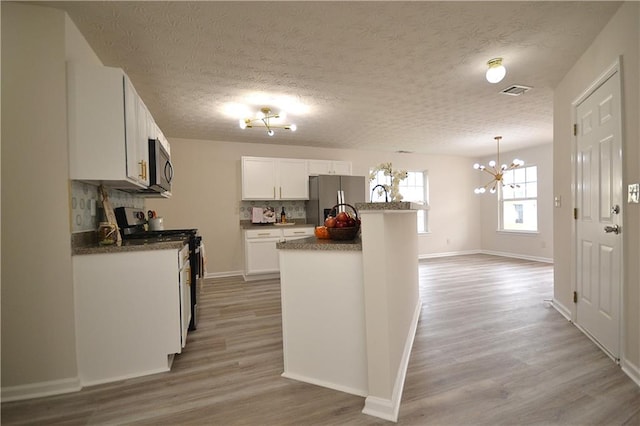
323	319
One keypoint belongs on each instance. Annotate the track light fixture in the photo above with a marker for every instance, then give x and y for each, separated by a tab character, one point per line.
265	116
495	172
496	71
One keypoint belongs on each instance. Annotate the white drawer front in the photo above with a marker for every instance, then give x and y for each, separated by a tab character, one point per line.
298	232
262	233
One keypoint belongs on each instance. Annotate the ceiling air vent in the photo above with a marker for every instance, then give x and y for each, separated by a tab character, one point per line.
515	90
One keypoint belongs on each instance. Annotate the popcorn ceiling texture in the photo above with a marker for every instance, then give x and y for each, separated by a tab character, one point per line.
375	75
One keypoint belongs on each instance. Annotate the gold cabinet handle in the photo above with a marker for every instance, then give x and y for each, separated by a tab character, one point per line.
142	173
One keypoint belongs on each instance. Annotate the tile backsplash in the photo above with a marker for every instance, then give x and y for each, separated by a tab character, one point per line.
294	209
83	194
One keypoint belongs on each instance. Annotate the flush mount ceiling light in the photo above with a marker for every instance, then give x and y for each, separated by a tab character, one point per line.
265	119
496	173
496	71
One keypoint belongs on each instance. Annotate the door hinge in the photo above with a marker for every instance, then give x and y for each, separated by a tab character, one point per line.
575	130
575	297
575	213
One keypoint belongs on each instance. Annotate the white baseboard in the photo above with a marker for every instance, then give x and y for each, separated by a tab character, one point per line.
223	274
388	409
517	256
38	390
631	370
447	254
564	311
325	384
261	277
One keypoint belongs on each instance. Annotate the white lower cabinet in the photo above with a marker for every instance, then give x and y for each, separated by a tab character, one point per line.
260	253
129	313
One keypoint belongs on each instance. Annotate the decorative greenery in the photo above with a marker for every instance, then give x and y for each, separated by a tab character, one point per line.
394	176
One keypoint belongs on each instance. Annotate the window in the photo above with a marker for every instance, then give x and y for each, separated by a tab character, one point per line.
519	201
414	188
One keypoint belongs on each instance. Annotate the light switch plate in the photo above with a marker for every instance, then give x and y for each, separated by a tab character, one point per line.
634	193
557	201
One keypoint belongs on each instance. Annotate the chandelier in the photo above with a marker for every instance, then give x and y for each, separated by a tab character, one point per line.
264	119
496	173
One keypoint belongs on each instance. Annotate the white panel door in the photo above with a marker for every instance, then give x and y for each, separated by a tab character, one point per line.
599	204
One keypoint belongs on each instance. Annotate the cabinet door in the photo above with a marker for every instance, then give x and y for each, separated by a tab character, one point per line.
261	256
293	180
319	167
142	142
132	129
258	178
342	167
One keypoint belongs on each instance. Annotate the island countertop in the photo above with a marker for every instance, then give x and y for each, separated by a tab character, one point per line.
313	243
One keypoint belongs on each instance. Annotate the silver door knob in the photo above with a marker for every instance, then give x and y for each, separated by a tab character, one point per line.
609	229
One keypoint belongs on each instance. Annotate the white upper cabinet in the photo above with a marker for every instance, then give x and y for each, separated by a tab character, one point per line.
108	128
328	167
292	179
274	179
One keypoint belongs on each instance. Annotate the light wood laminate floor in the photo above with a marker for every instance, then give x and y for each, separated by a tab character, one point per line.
488	351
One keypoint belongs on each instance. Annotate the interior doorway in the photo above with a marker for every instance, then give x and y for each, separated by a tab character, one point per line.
599	204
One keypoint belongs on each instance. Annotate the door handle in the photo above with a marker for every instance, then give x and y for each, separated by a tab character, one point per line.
609	229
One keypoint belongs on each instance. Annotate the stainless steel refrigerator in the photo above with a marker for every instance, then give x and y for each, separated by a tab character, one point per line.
325	191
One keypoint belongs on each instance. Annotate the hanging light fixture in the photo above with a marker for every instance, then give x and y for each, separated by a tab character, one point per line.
496	172
496	71
265	116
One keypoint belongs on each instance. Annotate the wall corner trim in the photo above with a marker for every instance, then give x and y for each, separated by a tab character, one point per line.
388	409
563	310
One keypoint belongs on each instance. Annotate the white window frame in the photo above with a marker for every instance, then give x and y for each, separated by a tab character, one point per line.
502	199
423	215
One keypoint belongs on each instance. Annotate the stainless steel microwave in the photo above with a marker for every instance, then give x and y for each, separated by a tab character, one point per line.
160	168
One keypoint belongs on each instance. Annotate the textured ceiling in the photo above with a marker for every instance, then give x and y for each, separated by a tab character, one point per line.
373	75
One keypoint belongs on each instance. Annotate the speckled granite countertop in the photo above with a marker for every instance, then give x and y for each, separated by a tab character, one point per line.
246	224
313	243
126	246
395	205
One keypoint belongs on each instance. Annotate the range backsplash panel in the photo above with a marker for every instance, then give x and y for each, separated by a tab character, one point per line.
82	195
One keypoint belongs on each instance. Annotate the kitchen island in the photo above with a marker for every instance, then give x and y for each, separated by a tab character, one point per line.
350	308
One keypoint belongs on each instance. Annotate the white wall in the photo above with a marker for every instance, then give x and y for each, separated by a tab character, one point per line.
38	350
621	37
38	341
206	194
535	246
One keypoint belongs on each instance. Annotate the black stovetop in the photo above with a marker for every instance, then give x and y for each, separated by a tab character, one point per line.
164	235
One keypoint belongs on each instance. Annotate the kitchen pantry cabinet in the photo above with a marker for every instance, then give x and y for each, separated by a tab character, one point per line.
260	252
109	128
131	312
329	167
274	179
